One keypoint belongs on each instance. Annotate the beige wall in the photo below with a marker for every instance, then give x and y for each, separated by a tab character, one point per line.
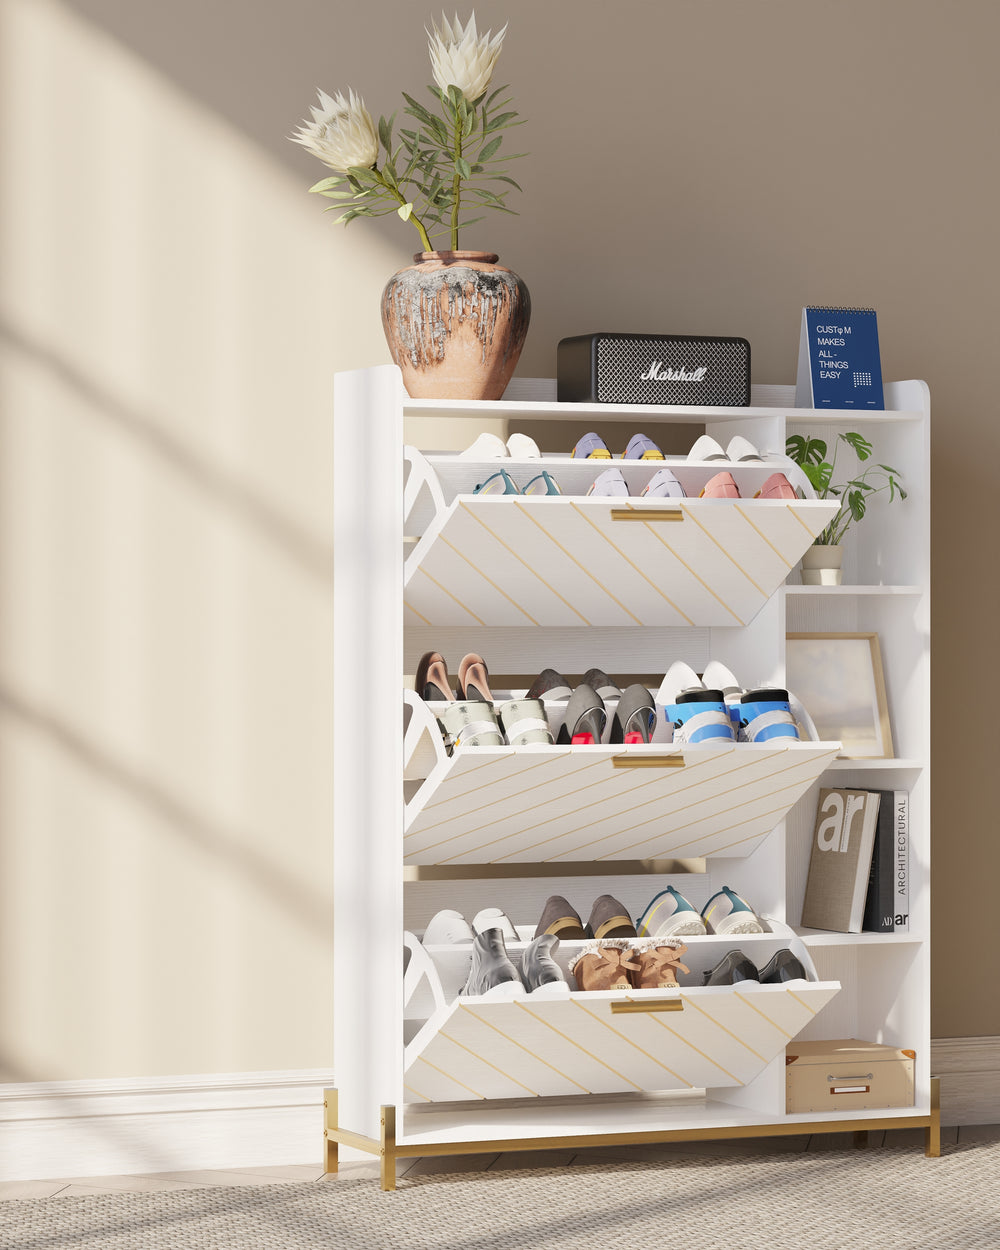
173	310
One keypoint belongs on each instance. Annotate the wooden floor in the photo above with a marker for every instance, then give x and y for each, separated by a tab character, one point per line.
160	1181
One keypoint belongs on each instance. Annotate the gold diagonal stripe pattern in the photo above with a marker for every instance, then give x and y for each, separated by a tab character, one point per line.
481	1059
621	1037
697	1049
767	775
506	546
475	568
503	759
415	612
812	1010
745	999
417	1092
809	529
698	578
448	1077
756	528
668	812
467	833
573	1042
527	1050
583	568
719	1025
444	590
614	547
708	533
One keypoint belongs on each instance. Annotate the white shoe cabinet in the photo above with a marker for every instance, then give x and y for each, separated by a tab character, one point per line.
629	586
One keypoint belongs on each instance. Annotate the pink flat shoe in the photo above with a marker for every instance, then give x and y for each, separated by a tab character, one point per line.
777	486
722	486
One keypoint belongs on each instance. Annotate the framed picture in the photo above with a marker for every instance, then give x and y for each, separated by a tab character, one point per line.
838	680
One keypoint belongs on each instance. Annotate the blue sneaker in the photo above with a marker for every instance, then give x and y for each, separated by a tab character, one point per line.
727	913
591	447
766	715
543	484
670	915
697	714
718	677
641	447
610	482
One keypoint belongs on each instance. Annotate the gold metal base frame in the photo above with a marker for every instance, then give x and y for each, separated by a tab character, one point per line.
388	1150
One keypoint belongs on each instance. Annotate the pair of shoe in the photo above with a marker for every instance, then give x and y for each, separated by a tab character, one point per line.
586	715
734	967
669	914
627	965
716	708
739	451
664	485
450	928
608	919
501	483
470	718
491	969
593	447
492	447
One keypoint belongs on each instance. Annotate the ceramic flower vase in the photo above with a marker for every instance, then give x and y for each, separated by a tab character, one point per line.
455	323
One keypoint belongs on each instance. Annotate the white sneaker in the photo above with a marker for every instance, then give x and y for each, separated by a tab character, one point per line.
447	928
523	447
494	918
486	447
727	913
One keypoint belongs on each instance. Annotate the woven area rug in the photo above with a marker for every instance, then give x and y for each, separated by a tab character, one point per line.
817	1200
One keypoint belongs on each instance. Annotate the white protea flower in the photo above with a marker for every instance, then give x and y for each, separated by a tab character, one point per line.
341	132
463	58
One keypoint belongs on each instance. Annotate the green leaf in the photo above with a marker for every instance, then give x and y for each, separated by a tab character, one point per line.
487	150
862	447
404	211
501	119
325	183
504	178
462	167
336	195
384	133
493	96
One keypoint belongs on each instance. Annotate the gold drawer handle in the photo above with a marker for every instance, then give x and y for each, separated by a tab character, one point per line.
647	761
652	1004
647	514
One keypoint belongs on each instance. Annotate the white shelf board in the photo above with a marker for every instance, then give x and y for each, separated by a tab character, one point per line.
849	592
552	410
558	803
821	937
592	1117
566	561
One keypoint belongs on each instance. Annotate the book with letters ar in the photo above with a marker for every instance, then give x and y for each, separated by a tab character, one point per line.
841	859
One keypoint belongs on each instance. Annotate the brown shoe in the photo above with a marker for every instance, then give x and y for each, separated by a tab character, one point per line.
658	966
560	918
609	919
605	967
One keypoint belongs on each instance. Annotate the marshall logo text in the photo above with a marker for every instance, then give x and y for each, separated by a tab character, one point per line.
658	372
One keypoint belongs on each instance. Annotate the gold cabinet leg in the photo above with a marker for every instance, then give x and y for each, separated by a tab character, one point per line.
861	1139
387	1148
932	1134
330	1144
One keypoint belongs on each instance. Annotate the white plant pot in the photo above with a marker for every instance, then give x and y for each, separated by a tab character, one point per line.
821	565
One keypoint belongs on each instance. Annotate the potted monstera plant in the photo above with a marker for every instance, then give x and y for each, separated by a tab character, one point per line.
821	565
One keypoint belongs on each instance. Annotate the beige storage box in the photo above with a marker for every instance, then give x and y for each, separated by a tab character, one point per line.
847	1075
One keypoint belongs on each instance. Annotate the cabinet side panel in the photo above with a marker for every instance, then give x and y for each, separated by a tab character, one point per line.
367	763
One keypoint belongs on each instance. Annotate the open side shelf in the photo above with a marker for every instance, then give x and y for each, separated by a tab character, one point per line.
558	561
494	805
605	1042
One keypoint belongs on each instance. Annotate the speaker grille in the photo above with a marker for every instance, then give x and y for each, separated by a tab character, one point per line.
623	360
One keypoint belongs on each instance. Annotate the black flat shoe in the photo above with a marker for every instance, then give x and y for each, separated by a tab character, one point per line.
731	968
549	685
782	966
585	718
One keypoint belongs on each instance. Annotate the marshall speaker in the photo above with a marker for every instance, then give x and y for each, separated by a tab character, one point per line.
654	369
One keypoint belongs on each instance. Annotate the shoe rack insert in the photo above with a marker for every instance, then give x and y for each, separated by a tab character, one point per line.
381	825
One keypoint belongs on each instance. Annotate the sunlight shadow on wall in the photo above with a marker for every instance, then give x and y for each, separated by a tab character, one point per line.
174	307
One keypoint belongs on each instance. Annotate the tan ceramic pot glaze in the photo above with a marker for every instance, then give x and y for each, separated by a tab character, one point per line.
821	565
455	323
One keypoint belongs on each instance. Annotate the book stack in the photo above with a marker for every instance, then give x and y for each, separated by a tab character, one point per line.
859	864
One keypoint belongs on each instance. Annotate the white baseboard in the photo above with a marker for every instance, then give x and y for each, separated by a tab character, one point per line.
161	1124
969	1069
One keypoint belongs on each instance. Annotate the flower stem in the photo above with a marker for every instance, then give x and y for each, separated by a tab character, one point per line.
413	218
456	184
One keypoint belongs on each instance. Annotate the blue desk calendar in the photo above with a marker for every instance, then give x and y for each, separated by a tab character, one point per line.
839	362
